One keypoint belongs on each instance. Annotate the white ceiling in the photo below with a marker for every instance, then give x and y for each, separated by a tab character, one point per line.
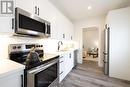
78	9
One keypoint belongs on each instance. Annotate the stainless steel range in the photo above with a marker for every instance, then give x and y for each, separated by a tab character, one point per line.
38	72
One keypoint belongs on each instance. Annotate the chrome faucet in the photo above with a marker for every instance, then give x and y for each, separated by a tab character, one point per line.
59	44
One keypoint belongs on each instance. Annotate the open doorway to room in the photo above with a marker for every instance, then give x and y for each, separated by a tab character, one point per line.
90	45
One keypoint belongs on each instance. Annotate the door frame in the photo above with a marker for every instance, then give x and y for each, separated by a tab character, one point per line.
99	45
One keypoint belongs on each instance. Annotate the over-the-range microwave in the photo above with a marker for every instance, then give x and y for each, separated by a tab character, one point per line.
28	24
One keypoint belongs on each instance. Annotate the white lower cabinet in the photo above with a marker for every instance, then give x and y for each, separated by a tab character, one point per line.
70	62
12	80
66	63
62	67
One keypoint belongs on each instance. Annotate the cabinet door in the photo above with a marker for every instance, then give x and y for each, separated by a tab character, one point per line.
66	64
6	25
61	65
69	62
69	68
42	9
14	80
61	68
36	7
27	5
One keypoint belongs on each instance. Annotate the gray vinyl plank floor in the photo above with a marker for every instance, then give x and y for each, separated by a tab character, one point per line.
89	74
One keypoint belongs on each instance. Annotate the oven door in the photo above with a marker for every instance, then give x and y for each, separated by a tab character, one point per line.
45	75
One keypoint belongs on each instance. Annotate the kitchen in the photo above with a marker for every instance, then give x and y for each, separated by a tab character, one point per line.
62	29
15	46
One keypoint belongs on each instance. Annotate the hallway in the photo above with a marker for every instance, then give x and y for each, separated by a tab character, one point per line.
89	75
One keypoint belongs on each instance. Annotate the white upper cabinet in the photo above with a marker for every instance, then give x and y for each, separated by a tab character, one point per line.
27	5
61	27
6	25
31	6
36	7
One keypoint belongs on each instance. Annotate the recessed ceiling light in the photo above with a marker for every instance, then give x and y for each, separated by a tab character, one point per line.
89	7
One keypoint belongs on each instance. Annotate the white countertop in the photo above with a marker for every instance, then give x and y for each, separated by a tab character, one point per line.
49	56
8	67
64	51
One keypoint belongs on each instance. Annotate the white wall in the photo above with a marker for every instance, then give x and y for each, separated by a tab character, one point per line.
91	22
90	38
119	23
59	24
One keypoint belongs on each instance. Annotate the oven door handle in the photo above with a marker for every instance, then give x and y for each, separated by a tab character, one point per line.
41	68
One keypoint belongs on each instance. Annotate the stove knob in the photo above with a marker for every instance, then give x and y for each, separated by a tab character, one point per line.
41	45
19	47
14	47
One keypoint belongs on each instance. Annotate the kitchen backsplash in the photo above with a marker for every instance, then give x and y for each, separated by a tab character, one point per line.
50	45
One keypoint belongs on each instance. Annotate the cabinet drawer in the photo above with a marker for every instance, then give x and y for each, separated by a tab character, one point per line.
61	76
61	60
61	67
61	57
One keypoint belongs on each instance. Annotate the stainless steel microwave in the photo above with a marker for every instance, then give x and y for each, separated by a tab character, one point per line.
28	24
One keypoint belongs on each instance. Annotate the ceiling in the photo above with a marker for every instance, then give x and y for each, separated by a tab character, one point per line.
78	9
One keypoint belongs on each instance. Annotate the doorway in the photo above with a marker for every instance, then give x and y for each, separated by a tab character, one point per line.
91	45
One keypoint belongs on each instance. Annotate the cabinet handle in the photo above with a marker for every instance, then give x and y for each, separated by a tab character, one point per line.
70	55
12	23
22	81
61	73
63	35
71	37
38	11
35	9
61	61
61	57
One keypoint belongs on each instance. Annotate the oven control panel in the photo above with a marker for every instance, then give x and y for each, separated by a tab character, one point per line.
24	47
